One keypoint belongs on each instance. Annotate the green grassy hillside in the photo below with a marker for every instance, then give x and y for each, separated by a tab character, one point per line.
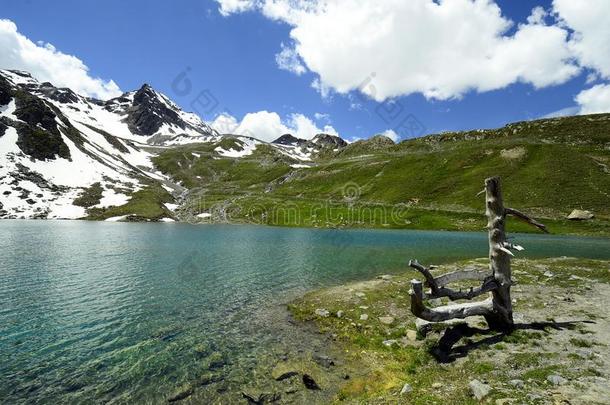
548	168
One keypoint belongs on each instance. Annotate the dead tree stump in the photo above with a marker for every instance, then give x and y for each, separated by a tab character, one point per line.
497	309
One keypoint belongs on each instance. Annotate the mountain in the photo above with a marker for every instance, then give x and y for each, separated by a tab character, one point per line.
63	155
549	168
140	157
289	140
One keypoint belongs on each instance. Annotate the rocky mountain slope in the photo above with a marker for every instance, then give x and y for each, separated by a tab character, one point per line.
63	155
140	157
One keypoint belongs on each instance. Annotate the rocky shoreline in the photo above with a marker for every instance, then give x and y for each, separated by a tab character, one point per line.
559	354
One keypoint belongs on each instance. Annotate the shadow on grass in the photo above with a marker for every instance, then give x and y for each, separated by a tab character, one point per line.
446	351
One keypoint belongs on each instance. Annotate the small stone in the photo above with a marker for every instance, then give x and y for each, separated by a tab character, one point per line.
556	379
322	312
406	389
386	320
364	317
364	307
517	383
437	385
385	277
534	397
548	274
411	335
322	360
478	389
390	342
360	294
340	314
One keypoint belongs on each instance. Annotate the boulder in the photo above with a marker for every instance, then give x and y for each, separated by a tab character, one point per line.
580	215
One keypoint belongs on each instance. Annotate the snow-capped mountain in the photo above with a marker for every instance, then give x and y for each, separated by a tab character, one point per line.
63	155
55	143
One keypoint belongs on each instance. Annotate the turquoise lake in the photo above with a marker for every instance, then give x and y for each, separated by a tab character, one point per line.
113	312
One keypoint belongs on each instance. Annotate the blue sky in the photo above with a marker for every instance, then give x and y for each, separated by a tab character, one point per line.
234	57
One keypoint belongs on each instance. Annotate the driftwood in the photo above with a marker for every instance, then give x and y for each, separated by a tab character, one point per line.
497	309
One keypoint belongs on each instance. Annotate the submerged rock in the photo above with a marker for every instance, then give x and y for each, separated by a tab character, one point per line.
283	371
182	393
257	396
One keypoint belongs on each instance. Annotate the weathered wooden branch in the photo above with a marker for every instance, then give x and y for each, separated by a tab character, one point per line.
521	216
497	310
446	312
437	285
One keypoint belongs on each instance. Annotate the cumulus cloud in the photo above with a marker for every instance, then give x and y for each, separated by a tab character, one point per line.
288	59
590	41
594	100
441	49
268	126
47	64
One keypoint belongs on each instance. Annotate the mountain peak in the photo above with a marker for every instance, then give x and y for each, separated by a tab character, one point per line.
333	141
289	140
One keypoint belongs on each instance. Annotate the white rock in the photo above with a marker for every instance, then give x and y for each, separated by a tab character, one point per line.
478	389
322	312
406	389
556	379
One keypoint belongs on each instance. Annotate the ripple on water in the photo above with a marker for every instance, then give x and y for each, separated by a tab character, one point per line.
129	312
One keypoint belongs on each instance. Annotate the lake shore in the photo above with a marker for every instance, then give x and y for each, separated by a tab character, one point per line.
560	351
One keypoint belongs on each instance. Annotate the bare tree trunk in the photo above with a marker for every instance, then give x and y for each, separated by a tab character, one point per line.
499	258
498	310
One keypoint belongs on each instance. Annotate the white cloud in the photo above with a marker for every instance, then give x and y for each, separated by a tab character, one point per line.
390	133
228	7
591	39
225	124
594	100
322	117
289	60
268	126
441	48
47	64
